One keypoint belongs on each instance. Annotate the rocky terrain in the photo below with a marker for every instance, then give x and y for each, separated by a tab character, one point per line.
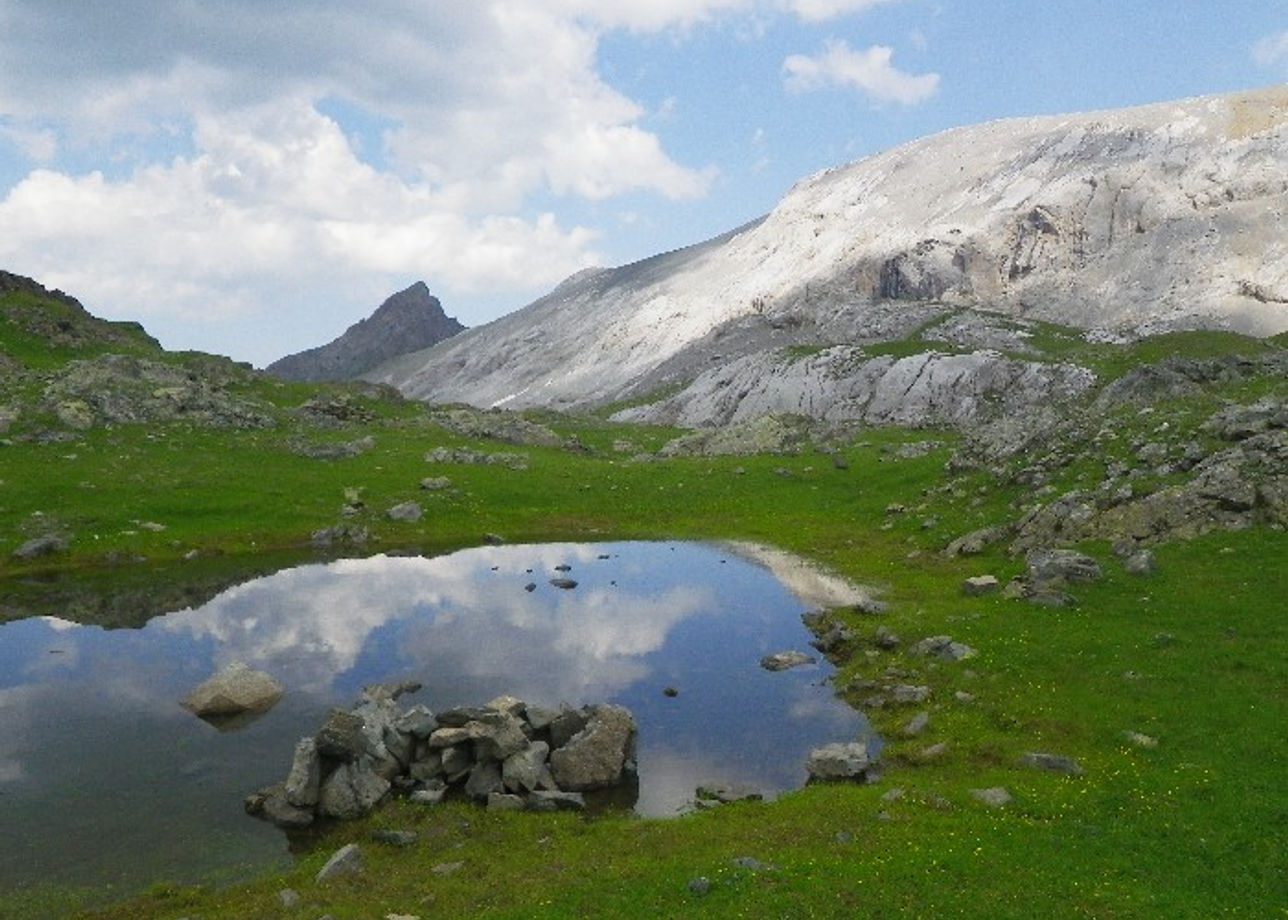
408	321
1119	224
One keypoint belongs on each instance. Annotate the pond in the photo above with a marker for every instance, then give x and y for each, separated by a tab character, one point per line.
107	781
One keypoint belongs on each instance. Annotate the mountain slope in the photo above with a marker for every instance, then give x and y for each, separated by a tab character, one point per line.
409	320
1126	222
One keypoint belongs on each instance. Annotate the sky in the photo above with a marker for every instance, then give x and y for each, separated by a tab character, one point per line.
250	178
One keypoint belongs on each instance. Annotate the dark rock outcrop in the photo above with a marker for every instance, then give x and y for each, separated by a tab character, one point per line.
407	321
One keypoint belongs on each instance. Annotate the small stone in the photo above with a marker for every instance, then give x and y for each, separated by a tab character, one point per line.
345	861
447	868
917	725
550	800
427	796
1140	740
1141	564
407	512
980	584
670	691
288	898
700	886
40	546
1053	763
751	864
395	838
933	752
893	795
782	661
995	796
503	801
566	584
908	693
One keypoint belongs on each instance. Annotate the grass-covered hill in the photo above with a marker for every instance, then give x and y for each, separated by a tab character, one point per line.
133	481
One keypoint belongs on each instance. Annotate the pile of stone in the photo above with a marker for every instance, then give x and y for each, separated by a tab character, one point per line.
506	753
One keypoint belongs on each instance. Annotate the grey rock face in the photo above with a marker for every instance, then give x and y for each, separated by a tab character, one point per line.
843	383
409	320
1130	220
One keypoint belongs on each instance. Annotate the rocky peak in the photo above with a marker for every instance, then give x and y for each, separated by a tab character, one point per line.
409	320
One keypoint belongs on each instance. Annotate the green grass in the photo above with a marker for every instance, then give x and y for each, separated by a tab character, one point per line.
1193	828
1194	656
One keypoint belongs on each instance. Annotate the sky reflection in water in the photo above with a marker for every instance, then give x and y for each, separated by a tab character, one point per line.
105	777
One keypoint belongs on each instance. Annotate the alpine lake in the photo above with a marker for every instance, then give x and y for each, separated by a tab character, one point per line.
108	783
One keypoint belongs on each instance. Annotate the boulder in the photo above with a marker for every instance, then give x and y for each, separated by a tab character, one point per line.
833	762
525	770
600	754
341	737
943	647
345	861
352	790
235	691
407	512
40	546
1057	565
977	585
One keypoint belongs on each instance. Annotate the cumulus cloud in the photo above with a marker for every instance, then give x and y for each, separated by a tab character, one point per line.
200	161
871	71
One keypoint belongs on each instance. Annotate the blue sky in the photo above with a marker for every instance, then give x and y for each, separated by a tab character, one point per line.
250	178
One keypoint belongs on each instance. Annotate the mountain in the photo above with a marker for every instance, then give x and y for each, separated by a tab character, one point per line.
1121	224
407	321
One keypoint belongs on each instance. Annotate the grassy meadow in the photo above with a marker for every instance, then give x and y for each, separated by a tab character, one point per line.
1194	656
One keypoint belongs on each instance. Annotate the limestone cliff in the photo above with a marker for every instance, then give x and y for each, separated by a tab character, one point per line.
1120	223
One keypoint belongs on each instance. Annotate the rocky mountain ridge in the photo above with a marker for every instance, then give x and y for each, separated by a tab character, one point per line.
1120	224
409	320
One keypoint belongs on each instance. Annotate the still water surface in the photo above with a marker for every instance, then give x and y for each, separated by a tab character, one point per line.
105	780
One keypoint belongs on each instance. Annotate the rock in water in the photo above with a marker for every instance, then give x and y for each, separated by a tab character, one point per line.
233	696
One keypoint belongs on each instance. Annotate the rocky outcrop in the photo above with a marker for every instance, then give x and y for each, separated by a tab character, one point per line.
506	753
845	383
126	389
1121	223
407	321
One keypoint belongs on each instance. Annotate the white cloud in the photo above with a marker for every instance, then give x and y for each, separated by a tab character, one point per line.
178	164
819	10
871	71
1272	51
